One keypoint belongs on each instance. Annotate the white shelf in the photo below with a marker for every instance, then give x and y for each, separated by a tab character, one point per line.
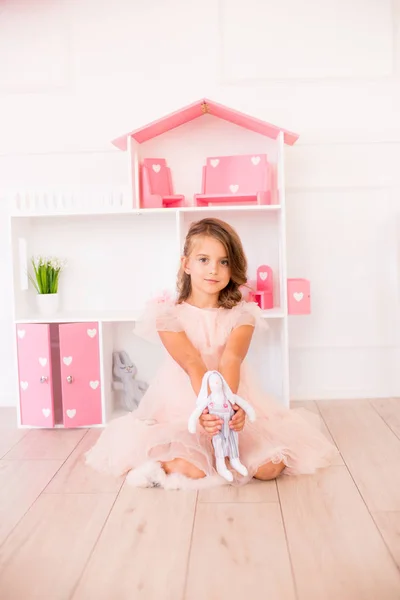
263	208
114	316
92	213
232	207
81	316
120	255
273	313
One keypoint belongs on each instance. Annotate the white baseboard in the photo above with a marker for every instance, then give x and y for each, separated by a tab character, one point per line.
7	400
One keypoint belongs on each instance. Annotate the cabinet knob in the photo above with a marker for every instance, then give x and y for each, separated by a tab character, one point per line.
43	379
69	379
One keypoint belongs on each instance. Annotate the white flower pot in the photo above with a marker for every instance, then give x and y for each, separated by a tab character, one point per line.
47	304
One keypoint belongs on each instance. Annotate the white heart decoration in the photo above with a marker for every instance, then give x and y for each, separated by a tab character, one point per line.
43	361
156	168
91	332
21	333
46	412
94	384
298	296
24	385
71	412
263	275
67	360
255	160
214	162
234	188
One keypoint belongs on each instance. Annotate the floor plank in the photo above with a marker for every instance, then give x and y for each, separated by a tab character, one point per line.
42	444
335	546
21	482
389	410
312	406
370	450
389	526
9	433
143	549
45	555
254	491
239	551
9	438
75	477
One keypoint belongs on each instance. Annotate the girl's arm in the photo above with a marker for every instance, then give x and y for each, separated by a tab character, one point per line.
234	354
185	354
229	367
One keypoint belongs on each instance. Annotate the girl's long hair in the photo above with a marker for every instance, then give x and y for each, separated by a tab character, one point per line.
224	233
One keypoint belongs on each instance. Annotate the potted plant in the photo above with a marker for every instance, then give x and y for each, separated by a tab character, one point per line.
45	279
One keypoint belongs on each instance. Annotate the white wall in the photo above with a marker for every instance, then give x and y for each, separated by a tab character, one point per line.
75	75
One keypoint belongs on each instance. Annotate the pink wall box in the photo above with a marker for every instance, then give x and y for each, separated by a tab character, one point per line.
298	291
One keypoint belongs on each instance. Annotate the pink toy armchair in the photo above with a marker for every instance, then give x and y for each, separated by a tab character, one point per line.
156	185
263	294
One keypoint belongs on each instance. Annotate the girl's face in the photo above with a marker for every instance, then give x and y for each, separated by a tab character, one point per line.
208	266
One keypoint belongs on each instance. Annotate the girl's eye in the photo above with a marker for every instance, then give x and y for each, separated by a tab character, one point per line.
203	259
225	263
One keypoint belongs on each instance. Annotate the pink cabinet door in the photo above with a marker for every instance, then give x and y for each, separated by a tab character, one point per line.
34	375
80	374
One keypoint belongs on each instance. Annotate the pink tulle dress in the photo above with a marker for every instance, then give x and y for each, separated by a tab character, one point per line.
158	430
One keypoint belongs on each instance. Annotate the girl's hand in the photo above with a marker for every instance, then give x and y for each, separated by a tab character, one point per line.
238	420
210	423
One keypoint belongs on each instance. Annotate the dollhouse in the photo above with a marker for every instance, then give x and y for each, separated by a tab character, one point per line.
205	159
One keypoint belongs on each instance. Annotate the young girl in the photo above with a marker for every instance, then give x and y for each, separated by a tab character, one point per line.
208	327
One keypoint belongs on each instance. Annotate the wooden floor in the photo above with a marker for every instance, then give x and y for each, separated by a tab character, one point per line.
68	533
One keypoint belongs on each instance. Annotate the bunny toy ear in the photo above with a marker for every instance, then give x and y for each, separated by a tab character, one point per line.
227	390
203	390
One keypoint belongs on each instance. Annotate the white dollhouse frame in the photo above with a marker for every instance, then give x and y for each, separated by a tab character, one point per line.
120	254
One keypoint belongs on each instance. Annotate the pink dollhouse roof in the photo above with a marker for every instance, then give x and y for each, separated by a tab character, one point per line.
197	109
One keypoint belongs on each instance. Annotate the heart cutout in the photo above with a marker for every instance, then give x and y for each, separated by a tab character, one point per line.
156	168
67	360
234	188
71	412
94	384
24	385
46	412
91	332
298	296
214	162
263	275
255	160
21	333
43	361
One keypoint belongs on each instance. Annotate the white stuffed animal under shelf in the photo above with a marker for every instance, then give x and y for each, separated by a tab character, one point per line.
219	402
124	372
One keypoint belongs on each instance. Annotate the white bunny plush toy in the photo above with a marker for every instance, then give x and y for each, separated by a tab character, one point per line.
219	402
